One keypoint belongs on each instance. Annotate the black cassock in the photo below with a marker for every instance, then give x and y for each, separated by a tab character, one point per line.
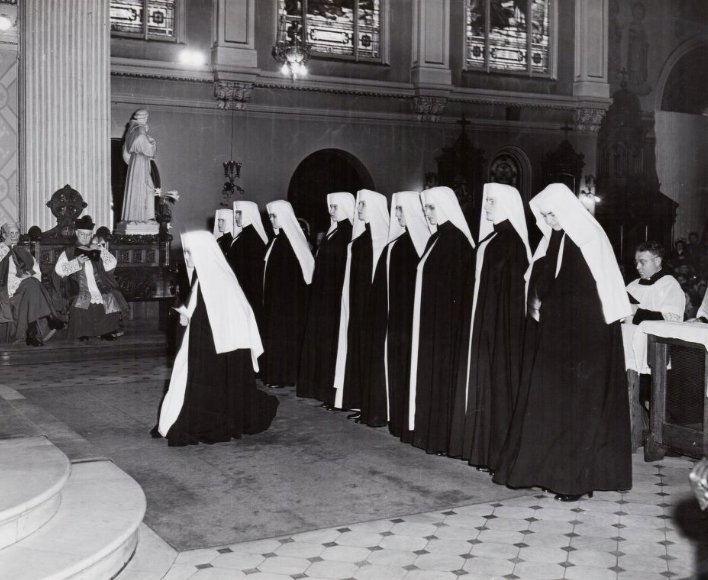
570	431
221	400
245	256
284	312
446	296
403	262
495	359
373	362
360	272
319	347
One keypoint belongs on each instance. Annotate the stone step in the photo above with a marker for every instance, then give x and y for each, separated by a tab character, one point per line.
92	536
153	558
33	473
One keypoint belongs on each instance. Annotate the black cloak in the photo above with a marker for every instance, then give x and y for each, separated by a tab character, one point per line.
245	256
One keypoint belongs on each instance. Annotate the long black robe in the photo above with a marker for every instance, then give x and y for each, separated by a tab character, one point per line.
374	407
284	312
401	287
224	241
570	432
319	346
446	297
221	400
245	256
478	433
359	286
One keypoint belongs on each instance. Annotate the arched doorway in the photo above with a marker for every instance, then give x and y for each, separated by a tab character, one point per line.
320	173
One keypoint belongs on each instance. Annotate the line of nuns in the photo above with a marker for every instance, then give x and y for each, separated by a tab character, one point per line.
507	359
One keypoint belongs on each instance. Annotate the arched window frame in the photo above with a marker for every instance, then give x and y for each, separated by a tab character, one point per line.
524	164
488	67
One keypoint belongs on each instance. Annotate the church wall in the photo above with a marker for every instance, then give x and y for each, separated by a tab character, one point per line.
681	145
9	136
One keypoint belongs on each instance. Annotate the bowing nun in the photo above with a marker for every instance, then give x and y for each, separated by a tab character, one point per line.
246	253
319	352
212	395
408	235
489	380
288	272
443	295
224	228
570	432
369	237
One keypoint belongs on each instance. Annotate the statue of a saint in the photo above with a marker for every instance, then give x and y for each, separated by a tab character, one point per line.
138	149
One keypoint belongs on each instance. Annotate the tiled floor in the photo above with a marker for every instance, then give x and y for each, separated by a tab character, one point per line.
653	532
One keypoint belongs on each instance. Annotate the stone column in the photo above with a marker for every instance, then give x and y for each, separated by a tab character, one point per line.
431	43
234	37
65	106
591	44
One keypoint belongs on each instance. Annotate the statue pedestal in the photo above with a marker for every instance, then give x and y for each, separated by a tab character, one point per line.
148	228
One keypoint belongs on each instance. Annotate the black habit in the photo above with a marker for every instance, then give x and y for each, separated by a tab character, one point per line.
403	262
319	347
446	296
284	312
221	400
224	241
360	271
374	409
570	431
245	256
478	433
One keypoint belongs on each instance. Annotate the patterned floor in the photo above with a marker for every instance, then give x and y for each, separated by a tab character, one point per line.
653	532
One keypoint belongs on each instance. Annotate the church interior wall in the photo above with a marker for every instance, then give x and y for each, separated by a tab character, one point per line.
9	136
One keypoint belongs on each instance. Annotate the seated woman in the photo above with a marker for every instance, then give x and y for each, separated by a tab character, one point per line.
24	303
212	395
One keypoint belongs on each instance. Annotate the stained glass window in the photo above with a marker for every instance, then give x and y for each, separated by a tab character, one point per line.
501	34
143	18
342	28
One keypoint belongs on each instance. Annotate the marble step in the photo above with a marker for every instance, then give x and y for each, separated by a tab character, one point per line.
153	558
32	474
92	536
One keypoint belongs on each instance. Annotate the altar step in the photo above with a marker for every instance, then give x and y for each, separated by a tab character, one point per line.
138	341
153	558
92	535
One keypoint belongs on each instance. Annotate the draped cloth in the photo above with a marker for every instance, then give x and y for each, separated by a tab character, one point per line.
570	431
319	352
212	394
369	238
488	382
443	295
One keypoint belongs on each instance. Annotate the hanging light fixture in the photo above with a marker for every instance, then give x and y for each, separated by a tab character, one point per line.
232	172
293	53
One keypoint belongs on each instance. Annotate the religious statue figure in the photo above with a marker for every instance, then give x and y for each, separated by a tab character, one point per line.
637	51
138	149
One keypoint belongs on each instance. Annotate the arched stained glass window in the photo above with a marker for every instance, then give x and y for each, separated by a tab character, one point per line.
147	19
347	28
509	36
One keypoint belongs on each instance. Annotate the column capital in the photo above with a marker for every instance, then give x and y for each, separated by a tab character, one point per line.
428	108
591	48
232	94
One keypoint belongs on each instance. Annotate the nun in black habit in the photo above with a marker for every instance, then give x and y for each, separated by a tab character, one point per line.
369	237
489	381
570	432
319	353
212	395
247	251
443	295
288	272
408	234
224	228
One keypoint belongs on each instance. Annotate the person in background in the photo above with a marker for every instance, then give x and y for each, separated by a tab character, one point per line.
319	352
83	278
24	303
289	266
570	432
224	228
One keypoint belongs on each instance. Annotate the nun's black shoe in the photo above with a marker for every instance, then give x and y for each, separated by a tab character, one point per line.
485	470
277	386
109	336
567	497
34	341
441	454
354	416
154	433
333	408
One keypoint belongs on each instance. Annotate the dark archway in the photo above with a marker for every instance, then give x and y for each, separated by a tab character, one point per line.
686	88
320	173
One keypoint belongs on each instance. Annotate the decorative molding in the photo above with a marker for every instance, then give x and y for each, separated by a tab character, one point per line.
428	109
586	119
232	94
